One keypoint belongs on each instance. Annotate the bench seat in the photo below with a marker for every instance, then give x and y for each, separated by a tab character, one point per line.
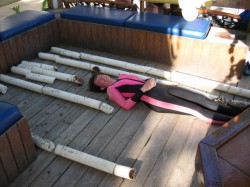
22	22
173	25
9	115
107	16
17	149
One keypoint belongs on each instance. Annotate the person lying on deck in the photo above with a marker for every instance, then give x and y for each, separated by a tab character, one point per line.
127	90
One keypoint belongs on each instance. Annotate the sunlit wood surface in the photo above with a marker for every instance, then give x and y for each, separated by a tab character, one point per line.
162	147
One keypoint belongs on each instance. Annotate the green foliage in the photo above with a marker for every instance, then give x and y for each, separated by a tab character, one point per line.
44	4
16	9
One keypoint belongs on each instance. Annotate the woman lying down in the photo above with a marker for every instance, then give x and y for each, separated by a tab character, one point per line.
127	90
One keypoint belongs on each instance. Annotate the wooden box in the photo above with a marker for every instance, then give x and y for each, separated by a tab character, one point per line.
223	157
17	151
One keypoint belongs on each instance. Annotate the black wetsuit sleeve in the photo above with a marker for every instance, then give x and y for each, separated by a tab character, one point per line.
137	96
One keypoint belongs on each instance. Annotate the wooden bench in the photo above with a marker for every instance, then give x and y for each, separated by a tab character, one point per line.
223	157
17	149
25	34
218	55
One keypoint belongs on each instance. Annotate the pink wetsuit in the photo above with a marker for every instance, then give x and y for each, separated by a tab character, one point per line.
126	93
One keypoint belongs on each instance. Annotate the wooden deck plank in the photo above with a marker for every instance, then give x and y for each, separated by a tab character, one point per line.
116	145
95	148
80	142
168	157
158	145
184	169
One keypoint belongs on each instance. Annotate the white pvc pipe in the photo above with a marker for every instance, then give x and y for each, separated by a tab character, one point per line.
3	89
32	76
39	65
78	99
40	78
44	144
183	79
95	162
89	66
190	80
113	62
19	70
58	94
56	74
21	83
84	158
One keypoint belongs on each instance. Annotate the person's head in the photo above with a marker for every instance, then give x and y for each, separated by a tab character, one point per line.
99	82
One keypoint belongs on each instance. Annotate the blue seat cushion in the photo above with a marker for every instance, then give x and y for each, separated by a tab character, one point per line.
174	25
18	23
107	16
9	115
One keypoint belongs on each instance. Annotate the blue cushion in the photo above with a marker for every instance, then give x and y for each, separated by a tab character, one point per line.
107	16
9	115
18	23
173	25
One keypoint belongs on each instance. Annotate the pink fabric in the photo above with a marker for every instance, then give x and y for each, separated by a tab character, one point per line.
117	97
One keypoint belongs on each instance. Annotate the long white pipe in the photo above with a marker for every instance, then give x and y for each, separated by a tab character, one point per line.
32	76
58	94
84	158
112	62
89	66
56	74
183	79
3	89
44	144
95	162
39	65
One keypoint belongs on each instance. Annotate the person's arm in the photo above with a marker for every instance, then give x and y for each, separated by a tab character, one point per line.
127	104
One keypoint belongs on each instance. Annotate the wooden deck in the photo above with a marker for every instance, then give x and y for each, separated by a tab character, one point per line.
162	147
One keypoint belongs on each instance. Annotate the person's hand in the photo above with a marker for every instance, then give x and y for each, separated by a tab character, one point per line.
149	84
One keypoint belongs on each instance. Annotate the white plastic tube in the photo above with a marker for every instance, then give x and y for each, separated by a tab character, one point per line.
3	89
56	74
95	162
44	144
190	80
89	66
40	78
32	76
78	99
112	62
180	78
39	65
21	83
84	158
58	94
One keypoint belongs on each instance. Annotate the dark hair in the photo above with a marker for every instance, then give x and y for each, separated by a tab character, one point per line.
92	86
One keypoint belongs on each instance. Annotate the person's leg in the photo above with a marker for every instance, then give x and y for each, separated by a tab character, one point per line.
204	101
161	101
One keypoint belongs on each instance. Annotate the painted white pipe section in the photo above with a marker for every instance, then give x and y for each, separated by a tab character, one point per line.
32	76
44	144
112	62
40	78
3	89
84	158
190	80
58	94
78	99
21	83
39	65
89	66
56	74
95	162
183	79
